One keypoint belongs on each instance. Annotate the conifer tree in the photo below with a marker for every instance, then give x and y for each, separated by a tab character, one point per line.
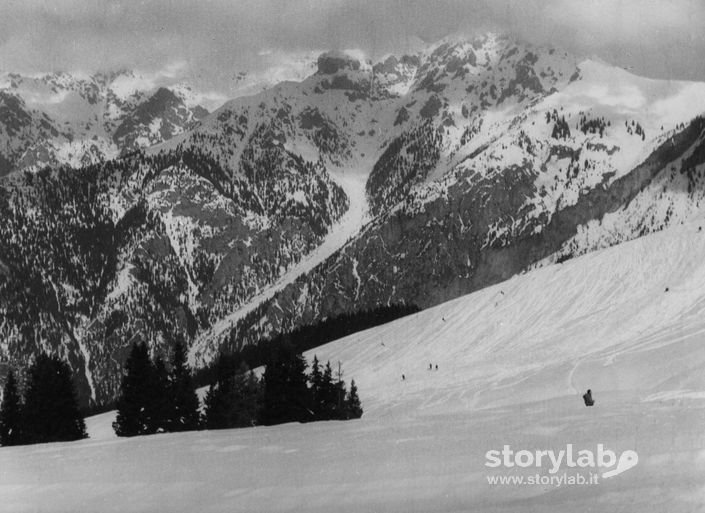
219	398
233	399
135	405
246	395
159	398
328	394
252	400
316	380
50	412
10	412
286	396
340	395
353	408
183	414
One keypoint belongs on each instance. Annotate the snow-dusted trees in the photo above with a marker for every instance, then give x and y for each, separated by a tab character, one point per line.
10	412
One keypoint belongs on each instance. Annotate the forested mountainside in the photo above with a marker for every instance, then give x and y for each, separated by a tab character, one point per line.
147	247
63	118
476	160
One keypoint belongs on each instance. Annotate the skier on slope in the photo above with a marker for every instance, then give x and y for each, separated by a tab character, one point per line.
587	397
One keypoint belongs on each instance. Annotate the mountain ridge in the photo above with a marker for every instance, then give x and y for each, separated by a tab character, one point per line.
464	164
80	119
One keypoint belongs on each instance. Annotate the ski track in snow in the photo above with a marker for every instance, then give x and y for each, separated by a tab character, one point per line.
353	183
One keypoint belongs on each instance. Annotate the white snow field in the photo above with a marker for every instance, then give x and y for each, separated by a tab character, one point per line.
513	359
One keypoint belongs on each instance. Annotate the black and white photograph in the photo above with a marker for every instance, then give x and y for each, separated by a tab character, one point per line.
352	256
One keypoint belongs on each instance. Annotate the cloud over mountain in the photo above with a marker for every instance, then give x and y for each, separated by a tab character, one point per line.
216	39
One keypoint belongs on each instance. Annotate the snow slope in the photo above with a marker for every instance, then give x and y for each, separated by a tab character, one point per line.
627	322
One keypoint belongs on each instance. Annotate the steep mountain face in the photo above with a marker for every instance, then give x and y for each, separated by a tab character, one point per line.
500	157
147	248
158	119
61	118
438	245
19	126
413	180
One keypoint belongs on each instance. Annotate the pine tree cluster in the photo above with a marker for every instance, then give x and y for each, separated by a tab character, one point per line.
635	128
49	411
592	125
291	395
155	399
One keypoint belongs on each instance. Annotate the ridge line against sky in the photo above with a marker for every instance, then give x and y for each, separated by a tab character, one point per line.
210	42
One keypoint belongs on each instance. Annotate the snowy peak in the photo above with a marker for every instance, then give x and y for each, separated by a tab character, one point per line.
82	119
330	63
493	68
396	75
158	119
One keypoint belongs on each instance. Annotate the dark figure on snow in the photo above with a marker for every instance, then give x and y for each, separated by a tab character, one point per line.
436	366
403	377
587	397
430	367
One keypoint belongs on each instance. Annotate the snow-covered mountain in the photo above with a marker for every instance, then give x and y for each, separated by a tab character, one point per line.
414	180
513	360
63	118
480	159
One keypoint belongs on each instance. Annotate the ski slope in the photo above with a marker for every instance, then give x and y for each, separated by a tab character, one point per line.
513	359
353	183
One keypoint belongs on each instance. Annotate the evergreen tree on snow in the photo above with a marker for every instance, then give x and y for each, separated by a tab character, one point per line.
137	408
233	400
248	397
183	413
341	393
50	412
328	393
286	395
353	408
220	398
160	400
10	412
316	380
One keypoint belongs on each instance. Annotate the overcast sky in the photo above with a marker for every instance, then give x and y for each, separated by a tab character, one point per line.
209	42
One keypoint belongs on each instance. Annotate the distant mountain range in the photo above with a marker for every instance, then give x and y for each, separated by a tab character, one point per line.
413	180
63	118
